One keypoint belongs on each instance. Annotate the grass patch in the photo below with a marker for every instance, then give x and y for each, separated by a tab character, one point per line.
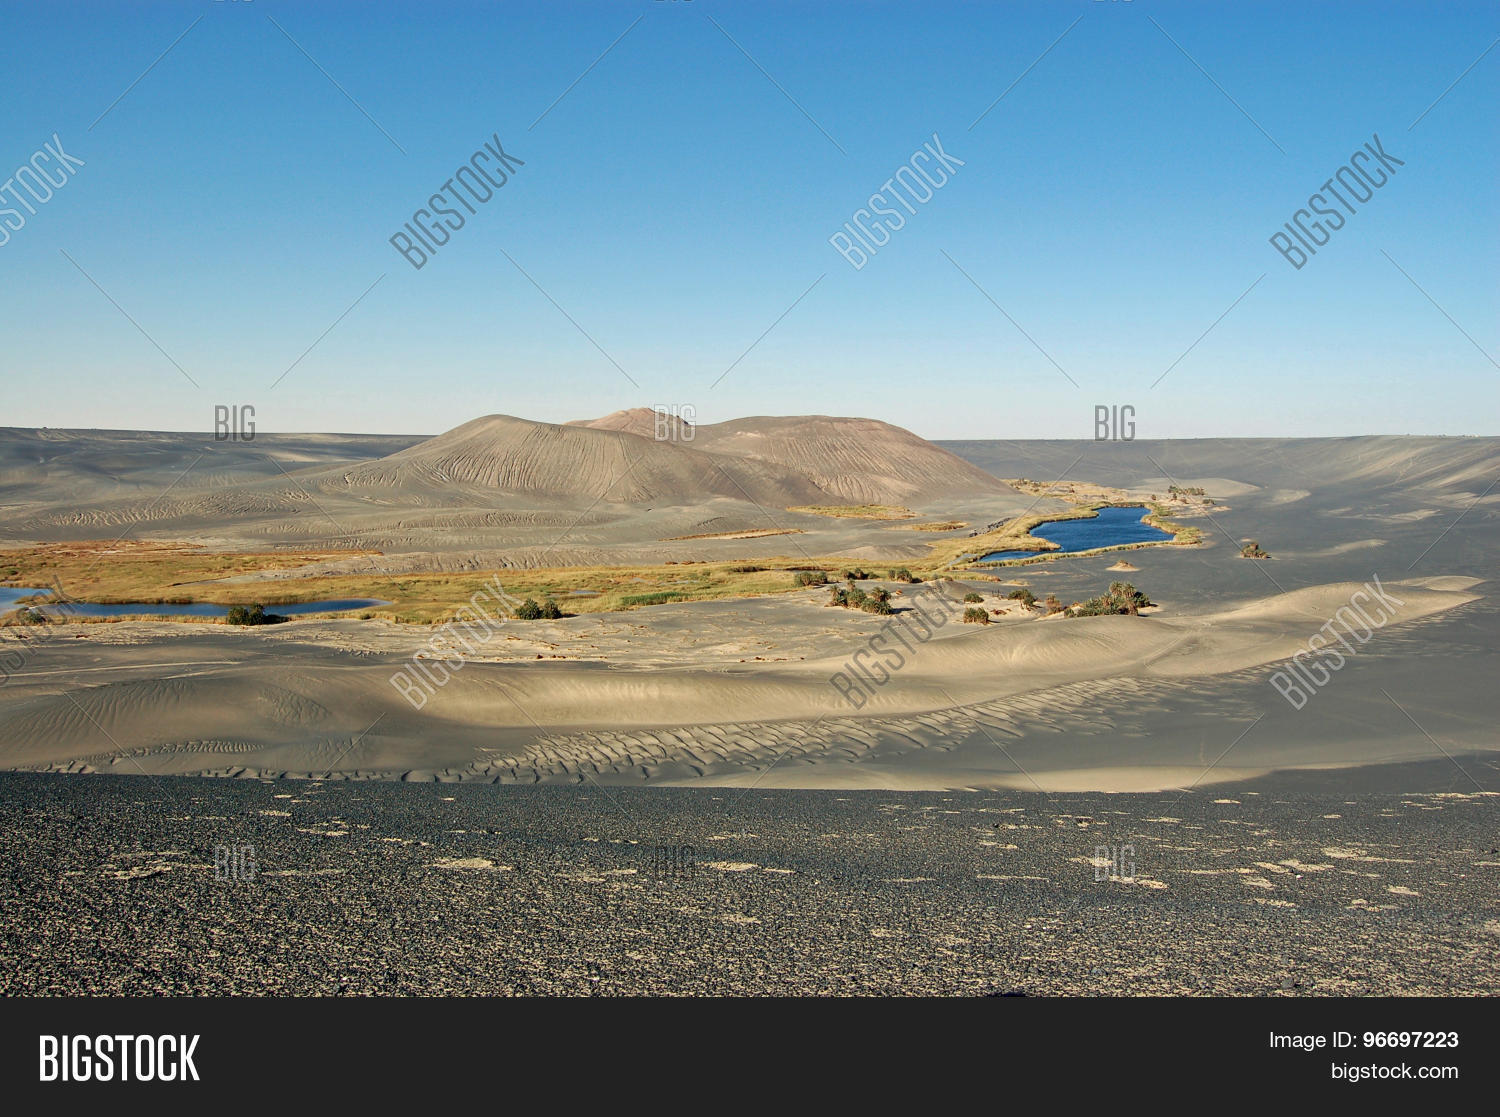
935	525
856	511
1183	534
156	573
652	598
161	572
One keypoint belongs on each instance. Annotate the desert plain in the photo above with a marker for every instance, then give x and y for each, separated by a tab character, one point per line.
702	776
739	677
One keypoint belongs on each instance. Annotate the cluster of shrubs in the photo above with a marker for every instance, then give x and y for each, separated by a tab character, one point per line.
255	614
858	574
1178	490
976	615
1024	596
850	596
1252	549
1121	598
529	610
746	569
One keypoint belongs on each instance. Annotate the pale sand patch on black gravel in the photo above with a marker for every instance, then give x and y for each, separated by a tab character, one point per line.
1378	881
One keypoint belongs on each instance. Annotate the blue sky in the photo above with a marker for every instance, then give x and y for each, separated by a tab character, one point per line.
675	203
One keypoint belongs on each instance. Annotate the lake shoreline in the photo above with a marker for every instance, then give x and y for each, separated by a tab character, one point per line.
1094	521
17	598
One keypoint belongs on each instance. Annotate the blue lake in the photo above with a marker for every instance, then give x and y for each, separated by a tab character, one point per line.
1110	528
10	594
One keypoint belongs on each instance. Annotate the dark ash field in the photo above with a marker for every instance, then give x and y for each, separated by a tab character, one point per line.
1298	883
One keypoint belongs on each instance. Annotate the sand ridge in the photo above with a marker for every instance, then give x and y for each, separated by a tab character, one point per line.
738	691
524	720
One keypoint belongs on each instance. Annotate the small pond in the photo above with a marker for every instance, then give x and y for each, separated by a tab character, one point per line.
9	595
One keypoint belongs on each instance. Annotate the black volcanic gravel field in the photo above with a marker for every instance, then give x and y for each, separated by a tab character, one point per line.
1313	883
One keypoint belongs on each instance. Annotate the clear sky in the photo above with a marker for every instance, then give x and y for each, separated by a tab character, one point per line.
679	198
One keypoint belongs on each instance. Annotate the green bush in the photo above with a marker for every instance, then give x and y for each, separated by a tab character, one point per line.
811	578
851	596
548	610
976	616
974	598
855	575
1024	596
255	614
904	575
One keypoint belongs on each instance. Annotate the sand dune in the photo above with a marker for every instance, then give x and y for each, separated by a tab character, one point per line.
517	720
1284	469
735	692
